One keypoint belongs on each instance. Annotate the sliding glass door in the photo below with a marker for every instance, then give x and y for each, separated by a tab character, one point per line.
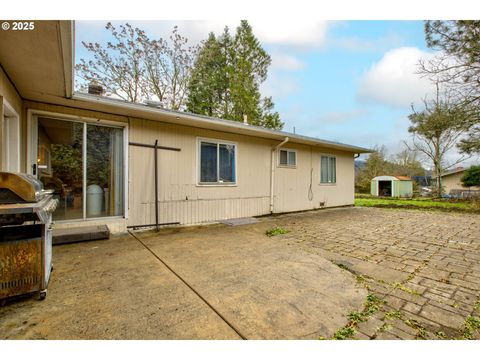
104	171
83	164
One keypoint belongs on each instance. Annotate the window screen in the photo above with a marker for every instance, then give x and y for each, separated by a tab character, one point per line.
328	169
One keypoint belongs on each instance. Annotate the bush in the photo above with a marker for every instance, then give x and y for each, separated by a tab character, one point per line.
471	176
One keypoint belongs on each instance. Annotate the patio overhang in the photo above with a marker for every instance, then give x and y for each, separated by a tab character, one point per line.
39	62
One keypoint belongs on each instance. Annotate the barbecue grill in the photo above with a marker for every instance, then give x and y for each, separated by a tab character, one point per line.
25	235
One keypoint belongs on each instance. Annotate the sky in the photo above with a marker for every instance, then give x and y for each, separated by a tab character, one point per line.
347	81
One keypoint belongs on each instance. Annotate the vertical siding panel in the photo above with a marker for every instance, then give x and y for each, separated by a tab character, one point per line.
177	176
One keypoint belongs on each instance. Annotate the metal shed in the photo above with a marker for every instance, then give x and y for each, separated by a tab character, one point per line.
392	186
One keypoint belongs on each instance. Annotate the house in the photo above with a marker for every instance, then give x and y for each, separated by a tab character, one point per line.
97	153
452	183
392	186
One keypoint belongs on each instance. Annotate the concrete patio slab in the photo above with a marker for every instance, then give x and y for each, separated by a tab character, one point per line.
235	282
269	290
113	289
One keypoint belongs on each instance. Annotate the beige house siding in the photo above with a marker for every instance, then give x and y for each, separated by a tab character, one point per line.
9	94
453	181
292	185
182	200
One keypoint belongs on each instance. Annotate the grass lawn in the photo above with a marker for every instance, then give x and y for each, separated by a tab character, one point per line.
421	203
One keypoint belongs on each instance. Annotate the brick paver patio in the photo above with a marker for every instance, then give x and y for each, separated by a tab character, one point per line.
402	274
424	266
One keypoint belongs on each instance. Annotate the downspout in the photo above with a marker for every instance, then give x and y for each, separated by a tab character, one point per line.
272	175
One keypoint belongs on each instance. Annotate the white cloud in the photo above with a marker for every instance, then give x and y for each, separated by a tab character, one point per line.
293	32
279	86
393	80
343	116
282	61
298	33
358	44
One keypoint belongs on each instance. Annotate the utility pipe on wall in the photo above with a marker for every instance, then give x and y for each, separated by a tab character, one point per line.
272	175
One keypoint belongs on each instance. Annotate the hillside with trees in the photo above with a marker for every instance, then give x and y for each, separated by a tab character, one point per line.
405	163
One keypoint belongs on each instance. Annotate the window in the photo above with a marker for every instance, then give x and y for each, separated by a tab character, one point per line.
328	169
288	158
217	162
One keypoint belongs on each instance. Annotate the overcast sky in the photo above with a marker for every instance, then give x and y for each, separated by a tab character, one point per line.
347	81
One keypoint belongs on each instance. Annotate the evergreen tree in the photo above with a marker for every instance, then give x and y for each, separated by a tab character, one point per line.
457	66
208	87
375	165
471	176
226	79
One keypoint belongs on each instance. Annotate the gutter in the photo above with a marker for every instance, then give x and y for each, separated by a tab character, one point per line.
228	124
272	174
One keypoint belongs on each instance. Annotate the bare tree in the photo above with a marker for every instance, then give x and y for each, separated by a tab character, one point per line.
136	68
168	67
117	68
457	67
407	162
436	130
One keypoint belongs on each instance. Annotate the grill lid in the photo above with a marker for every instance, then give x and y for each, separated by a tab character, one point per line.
19	187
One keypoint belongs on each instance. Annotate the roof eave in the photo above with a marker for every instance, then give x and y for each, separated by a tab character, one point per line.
231	126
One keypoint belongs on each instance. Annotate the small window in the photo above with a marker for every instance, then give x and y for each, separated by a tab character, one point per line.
288	158
217	163
328	169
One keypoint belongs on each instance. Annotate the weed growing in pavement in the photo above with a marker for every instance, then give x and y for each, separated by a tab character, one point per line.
344	333
393	315
276	231
344	267
421	332
470	327
372	305
404	288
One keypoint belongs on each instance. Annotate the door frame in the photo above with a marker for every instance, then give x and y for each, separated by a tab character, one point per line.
385	181
9	112
32	148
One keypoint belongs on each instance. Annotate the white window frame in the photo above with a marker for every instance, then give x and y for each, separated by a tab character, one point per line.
32	123
198	167
328	156
11	123
288	151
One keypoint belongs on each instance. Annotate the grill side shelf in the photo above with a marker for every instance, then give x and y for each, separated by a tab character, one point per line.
25	208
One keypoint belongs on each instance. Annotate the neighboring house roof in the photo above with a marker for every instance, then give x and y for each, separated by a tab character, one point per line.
392	177
456	171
